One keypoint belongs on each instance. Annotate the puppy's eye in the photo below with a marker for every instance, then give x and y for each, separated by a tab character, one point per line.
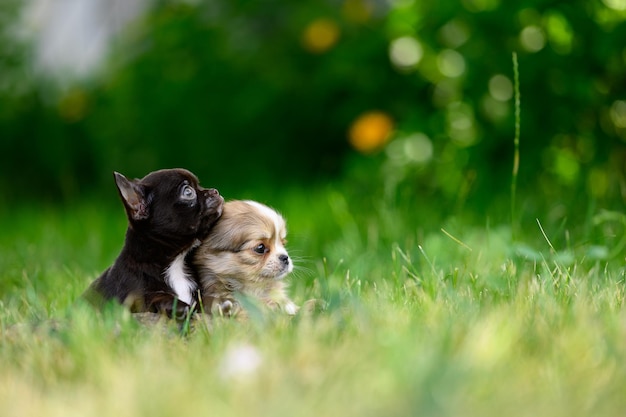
261	249
188	193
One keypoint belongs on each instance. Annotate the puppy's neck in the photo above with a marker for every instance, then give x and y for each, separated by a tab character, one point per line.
163	259
149	249
179	278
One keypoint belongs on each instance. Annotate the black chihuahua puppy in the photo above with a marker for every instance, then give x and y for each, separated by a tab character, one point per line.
168	215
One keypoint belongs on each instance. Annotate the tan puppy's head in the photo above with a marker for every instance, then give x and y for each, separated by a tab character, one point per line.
246	248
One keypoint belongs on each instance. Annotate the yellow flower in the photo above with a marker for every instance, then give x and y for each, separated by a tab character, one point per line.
320	35
370	131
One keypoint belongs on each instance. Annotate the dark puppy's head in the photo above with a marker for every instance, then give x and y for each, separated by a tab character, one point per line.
170	205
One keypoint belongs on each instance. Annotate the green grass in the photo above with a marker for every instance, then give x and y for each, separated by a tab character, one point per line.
419	321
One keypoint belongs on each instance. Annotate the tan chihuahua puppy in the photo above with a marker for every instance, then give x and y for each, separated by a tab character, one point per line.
244	253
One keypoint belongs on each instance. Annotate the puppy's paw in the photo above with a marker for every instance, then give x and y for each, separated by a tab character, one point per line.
314	305
285	305
178	311
291	308
225	307
168	305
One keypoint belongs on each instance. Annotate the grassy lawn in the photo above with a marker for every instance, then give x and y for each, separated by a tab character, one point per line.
448	319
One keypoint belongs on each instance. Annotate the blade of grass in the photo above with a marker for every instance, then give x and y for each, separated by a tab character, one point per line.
545	236
455	239
516	152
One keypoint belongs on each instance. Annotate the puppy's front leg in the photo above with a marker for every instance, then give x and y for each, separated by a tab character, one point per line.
284	304
225	308
178	310
170	306
291	308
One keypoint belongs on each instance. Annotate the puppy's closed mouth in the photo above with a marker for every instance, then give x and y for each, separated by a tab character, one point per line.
214	204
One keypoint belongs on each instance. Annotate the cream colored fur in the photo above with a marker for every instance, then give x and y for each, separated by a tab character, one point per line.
245	253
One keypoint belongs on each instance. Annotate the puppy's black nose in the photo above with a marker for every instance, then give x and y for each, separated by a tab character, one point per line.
284	259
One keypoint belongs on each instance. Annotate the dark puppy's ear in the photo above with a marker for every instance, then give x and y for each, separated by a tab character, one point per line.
134	197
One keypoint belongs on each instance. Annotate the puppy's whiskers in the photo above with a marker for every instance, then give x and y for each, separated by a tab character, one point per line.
300	262
246	246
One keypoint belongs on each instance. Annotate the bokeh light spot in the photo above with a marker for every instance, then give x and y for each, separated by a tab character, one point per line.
370	131
615	4
451	63
532	38
454	33
240	362
500	87
405	52
320	35
618	114
416	148
460	124
560	32
566	167
597	183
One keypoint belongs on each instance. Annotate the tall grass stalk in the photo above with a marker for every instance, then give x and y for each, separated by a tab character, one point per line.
516	144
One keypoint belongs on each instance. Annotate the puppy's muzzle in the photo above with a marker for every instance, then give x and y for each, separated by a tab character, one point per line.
213	198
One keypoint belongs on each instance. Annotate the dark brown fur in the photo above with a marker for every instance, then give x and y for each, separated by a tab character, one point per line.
164	223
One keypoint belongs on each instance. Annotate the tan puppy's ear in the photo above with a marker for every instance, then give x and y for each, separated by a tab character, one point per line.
133	196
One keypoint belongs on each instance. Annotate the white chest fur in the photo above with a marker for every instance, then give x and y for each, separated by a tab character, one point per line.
179	280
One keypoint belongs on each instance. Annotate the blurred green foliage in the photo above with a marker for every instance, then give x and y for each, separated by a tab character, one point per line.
263	94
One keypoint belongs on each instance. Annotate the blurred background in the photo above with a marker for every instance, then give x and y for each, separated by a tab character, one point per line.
394	99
